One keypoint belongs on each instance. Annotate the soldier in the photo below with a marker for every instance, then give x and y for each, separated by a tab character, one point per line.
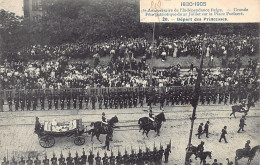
84	157
5	162
202	98
206	129
46	160
68	100
162	99
119	158
133	158
93	101
98	159
135	98
56	98
200	149
107	142
69	160
62	160
74	99
226	97
10	102
15	162
105	100
42	99
49	101
28	101
167	98
91	158
22	101
236	95
29	161
200	130
140	160
80	101
125	100
86	100
62	100
223	134
231	91
130	100
241	124
247	147
161	151
105	159
76	158
22	161
141	98
121	100
208	97
100	100
111	100
166	153
54	160
37	161
34	102
16	102
126	158
112	159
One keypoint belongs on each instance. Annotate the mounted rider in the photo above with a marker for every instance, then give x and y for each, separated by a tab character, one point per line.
247	147
200	149
243	105
104	121
151	114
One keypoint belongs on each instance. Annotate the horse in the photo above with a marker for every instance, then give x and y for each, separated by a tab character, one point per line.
193	150
240	153
146	124
101	128
203	156
238	108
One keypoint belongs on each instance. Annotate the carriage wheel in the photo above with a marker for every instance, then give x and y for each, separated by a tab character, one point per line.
47	141
80	140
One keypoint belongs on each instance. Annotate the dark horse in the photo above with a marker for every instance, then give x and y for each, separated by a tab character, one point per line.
202	156
146	124
101	128
240	153
238	108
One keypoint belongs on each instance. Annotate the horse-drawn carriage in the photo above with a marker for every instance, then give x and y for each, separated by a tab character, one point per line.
48	131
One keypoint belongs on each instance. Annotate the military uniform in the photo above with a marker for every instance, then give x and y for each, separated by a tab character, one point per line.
86	100
54	160
84	158
61	160
16	102
226	97
74	99
140	160
22	101
133	158
49	101
93	101
42	100
98	159
162	99
105	159
35	101
100	101
28	101
46	161
22	162
62	100
135	98
119	159
105	100
91	158
10	102
80	101
130	100
69	160
141	98
111	100
121	101
166	154
125	100
126	159
241	124
13	162
37	161
56	98
29	161
77	158
112	159
116	100
68	101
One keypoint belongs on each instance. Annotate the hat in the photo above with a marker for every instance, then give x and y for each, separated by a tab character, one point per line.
248	141
103	114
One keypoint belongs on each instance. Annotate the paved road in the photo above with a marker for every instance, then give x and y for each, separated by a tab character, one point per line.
18	139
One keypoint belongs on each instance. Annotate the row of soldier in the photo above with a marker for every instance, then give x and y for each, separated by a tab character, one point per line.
126	99
140	158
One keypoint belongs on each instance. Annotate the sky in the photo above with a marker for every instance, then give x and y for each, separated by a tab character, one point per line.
15	6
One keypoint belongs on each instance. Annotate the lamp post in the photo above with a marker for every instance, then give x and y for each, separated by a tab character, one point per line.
194	101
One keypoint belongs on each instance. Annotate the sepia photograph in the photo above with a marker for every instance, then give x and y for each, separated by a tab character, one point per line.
86	82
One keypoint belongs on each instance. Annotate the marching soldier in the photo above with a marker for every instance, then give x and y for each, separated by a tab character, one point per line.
29	161
135	98
22	101
125	100
74	99
22	161
166	153
130	100
49	101
42	99
119	159
91	158
107	142
16	102
46	160
241	124
112	159
93	101
111	99
140	160
62	160
161	151
141	98
54	160
10	102
86	100
80	101
226	97
116	101
126	158
100	100
76	158
133	158
5	162
84	157
37	161
146	156
223	134
15	162
105	159
121	101
98	159
69	160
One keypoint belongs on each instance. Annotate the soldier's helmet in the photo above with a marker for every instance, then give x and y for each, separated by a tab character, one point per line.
201	123
98	153
208	122
103	114
83	152
77	154
61	155
248	141
105	153
111	153
202	142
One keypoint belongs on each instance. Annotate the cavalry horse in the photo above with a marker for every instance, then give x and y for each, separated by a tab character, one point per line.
146	124
101	128
240	153
203	156
238	108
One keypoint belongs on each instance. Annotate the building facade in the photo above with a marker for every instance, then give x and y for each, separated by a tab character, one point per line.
33	9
